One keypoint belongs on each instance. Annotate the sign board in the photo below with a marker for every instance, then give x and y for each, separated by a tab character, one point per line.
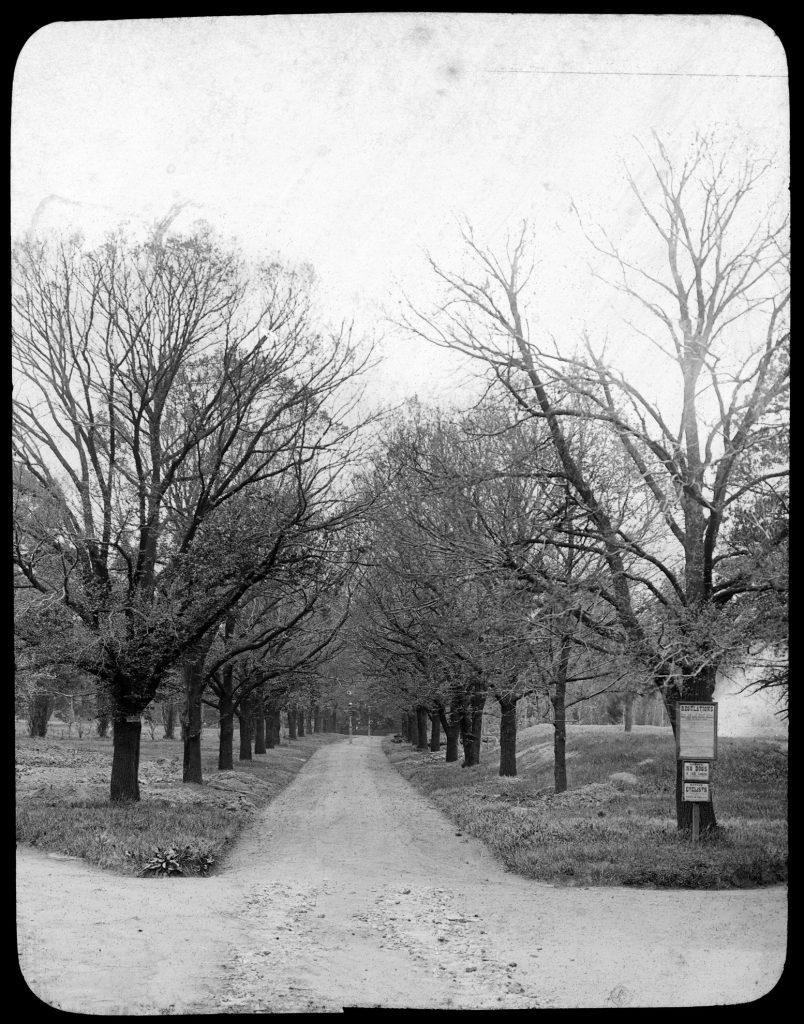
695	791
696	730
133	718
695	771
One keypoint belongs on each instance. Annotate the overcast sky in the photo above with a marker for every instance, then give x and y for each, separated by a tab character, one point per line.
355	142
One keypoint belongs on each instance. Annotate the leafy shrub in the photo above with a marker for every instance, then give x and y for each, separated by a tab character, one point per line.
177	861
163	862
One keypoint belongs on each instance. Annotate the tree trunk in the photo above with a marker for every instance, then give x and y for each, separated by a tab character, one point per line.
292	735
104	711
191	742
226	735
226	708
300	722
452	730
472	728
268	730
125	784
404	730
244	718
193	719
559	700
169	719
39	711
413	729
695	687
316	719
128	697
308	725
274	725
628	711
435	732
477	730
259	729
507	735
245	737
421	726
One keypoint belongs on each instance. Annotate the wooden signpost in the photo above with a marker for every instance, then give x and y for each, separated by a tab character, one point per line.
696	749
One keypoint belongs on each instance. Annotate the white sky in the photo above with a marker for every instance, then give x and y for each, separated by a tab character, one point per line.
355	142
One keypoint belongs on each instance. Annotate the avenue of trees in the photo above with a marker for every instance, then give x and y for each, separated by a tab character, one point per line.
203	515
661	491
181	434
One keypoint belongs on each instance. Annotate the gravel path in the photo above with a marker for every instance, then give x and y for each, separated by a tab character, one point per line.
353	890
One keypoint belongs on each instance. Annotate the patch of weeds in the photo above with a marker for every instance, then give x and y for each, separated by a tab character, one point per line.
163	862
180	860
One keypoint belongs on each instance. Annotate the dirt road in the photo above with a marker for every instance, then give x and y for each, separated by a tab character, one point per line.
352	890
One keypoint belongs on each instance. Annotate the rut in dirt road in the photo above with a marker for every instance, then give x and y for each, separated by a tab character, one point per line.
353	890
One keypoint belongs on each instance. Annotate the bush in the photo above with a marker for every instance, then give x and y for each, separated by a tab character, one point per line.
177	861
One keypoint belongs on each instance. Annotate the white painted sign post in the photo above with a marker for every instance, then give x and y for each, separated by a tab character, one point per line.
696	748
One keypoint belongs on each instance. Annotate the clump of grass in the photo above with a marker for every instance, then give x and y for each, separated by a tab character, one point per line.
599	833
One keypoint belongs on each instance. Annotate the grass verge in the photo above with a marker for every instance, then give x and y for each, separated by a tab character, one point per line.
63	805
606	831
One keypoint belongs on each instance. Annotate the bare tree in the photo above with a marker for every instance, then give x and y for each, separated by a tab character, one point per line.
196	423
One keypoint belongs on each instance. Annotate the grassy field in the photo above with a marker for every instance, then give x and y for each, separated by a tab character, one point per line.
605	831
63	806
